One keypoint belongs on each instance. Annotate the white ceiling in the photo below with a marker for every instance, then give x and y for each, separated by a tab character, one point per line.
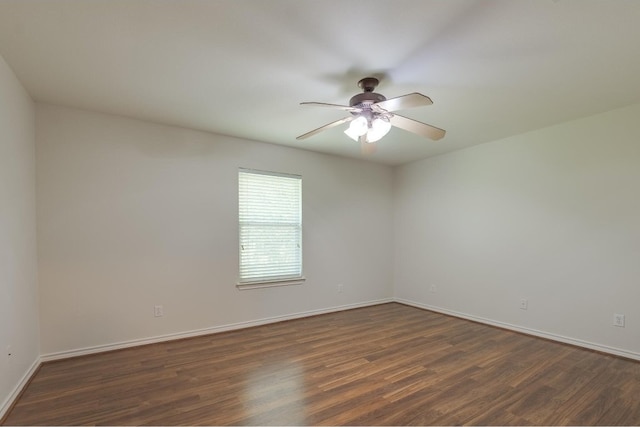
493	68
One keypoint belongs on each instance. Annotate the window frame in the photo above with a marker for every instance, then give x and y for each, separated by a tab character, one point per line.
266	281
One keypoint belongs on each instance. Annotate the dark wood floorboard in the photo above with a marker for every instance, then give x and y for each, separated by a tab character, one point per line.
383	365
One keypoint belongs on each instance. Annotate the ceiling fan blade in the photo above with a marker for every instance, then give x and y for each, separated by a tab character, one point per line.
340	107
403	102
417	127
325	127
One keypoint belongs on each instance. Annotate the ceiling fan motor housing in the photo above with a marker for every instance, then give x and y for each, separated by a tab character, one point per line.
368	84
366	98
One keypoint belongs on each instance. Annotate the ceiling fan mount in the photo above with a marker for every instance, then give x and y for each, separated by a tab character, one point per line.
368	84
372	115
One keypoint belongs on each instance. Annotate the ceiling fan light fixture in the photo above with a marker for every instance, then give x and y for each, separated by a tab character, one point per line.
357	128
379	128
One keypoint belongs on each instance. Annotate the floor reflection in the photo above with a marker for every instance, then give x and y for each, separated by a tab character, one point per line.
275	394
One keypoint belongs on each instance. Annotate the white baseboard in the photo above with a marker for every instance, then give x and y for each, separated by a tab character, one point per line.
528	331
204	331
6	405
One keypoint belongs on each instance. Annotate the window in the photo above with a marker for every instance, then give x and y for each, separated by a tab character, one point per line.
270	220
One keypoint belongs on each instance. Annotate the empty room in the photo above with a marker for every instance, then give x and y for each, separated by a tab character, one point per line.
319	212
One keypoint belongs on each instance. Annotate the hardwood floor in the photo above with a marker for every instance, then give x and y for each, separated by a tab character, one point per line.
383	365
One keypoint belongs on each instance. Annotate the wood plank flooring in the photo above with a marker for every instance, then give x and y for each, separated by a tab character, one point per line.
383	365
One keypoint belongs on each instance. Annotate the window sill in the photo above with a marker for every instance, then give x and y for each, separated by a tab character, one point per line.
271	283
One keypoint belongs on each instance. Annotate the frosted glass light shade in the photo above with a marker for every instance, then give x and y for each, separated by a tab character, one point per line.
357	128
379	128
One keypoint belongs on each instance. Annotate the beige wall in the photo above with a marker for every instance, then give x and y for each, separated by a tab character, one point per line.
18	268
134	214
552	216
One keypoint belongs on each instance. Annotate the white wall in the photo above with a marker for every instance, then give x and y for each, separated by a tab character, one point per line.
134	214
552	216
18	267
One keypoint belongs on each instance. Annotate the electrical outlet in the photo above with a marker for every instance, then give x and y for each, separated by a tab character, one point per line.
340	288
433	289
158	311
524	304
618	320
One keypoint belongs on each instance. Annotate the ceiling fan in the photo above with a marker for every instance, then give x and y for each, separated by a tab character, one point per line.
372	115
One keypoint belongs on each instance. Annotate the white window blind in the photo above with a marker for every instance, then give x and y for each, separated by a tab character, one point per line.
270	219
